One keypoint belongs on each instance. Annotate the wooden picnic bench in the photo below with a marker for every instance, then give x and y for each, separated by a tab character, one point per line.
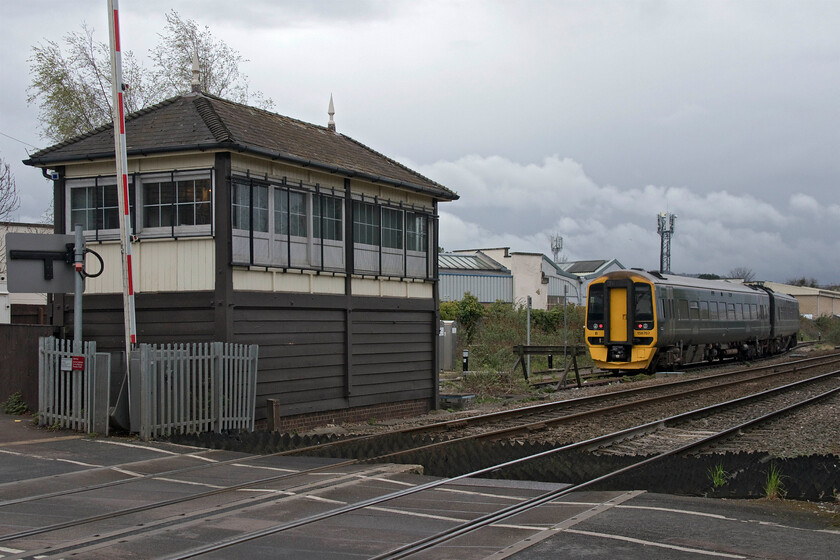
572	351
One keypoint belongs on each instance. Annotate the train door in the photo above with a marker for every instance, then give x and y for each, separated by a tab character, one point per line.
618	315
618	333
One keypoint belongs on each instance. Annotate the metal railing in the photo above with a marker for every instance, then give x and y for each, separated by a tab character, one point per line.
69	396
193	388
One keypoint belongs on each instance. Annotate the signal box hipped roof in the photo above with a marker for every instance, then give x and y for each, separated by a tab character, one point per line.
202	122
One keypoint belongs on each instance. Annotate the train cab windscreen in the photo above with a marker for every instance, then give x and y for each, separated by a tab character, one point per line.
595	307
642	303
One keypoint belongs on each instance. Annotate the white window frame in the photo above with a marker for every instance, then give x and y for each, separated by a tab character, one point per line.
178	230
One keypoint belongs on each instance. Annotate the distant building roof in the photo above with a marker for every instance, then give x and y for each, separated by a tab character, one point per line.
469	263
202	122
584	267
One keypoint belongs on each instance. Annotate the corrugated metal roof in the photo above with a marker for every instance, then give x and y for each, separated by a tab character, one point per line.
450	261
583	267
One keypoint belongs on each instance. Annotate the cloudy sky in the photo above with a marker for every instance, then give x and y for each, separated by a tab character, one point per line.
584	119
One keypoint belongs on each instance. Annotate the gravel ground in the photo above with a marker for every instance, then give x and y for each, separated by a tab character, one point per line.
813	431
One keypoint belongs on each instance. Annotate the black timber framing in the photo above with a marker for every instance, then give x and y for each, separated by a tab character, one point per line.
350	260
433	251
223	294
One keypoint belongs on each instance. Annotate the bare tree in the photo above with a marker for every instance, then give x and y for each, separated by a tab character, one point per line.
742	272
218	63
9	202
71	81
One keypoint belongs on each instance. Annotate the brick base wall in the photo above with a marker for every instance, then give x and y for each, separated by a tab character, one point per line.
378	412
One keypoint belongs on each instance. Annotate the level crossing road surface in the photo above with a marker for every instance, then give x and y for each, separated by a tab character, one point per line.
586	524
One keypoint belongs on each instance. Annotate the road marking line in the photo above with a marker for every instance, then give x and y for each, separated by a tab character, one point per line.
652	543
278	469
43	440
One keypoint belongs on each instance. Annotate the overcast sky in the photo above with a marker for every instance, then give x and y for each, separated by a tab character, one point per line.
583	119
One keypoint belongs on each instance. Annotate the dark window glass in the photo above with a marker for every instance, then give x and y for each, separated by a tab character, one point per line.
642	302
595	305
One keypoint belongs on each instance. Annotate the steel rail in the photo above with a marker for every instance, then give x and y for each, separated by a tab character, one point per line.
538	408
166	503
545	423
588	444
522	507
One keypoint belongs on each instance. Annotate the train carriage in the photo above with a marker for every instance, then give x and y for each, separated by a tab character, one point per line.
646	320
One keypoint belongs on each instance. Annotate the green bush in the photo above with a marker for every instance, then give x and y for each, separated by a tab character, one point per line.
829	329
15	404
469	313
448	310
503	327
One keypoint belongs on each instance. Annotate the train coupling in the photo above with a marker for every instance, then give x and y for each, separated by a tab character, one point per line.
618	353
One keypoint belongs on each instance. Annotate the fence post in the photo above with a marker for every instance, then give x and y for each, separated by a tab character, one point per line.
218	374
42	379
253	355
144	376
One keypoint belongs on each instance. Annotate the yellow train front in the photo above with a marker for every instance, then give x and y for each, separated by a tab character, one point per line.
621	321
642	321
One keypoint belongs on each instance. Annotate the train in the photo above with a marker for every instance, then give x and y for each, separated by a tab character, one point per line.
648	321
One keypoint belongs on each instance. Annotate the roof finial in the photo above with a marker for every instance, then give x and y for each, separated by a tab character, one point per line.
331	113
196	83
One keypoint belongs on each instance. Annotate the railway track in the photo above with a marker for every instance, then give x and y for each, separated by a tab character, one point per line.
248	494
707	426
530	420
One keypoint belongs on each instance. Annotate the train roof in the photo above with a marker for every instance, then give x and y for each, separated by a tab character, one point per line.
661	279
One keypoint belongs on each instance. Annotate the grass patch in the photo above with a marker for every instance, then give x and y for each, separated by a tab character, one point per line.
774	488
717	475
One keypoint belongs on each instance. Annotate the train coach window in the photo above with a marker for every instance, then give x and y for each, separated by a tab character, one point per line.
595	306
693	310
683	309
739	311
713	310
704	309
730	310
754	311
642	303
660	309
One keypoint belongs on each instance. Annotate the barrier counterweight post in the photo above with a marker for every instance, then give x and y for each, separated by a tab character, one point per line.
122	178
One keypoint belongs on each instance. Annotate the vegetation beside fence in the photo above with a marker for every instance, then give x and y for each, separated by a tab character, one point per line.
491	332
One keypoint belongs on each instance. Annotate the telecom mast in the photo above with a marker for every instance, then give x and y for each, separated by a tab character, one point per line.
666	230
556	245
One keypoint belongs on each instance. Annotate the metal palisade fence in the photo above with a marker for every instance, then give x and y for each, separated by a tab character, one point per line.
194	387
73	386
